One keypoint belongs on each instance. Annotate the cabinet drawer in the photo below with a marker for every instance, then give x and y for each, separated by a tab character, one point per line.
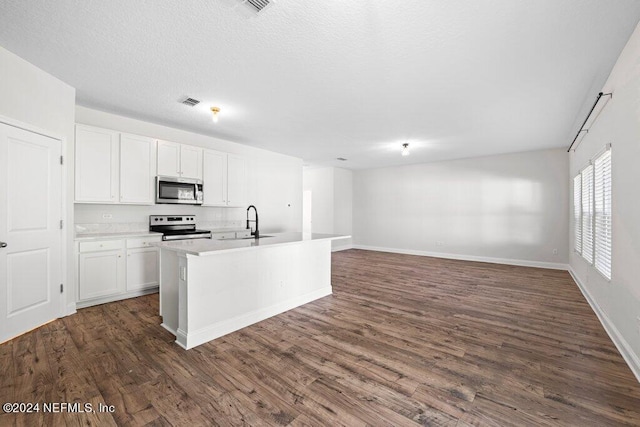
223	236
240	234
101	245
142	242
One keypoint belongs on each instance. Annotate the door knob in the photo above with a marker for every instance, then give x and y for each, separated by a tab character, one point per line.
3	245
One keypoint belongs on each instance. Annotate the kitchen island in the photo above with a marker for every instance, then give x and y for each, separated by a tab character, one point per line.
209	288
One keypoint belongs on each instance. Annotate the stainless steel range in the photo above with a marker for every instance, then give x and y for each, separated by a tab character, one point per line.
177	227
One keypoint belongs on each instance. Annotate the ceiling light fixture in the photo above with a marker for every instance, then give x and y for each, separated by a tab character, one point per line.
405	149
215	111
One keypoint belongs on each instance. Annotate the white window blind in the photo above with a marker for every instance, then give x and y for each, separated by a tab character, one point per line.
577	213
587	213
602	221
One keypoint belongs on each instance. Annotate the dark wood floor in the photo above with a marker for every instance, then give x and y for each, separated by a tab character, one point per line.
404	340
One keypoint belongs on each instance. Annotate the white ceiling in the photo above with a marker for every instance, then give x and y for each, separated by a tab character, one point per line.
334	78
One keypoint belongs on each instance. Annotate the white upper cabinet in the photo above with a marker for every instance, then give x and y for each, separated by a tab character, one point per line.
97	165
114	167
179	160
137	169
214	174
236	181
225	179
190	162
169	159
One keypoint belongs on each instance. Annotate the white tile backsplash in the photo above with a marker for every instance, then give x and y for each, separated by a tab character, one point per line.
114	227
127	218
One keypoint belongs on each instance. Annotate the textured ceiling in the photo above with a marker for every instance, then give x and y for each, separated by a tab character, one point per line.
326	79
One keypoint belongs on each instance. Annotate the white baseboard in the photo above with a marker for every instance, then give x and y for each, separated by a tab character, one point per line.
119	297
508	261
621	344
71	309
192	339
164	325
341	248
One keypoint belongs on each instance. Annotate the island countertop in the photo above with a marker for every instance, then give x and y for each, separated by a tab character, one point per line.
204	247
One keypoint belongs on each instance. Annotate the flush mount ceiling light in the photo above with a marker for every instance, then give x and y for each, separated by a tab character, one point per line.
216	112
405	149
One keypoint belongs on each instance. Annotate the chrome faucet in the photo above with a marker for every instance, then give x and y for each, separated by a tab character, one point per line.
257	232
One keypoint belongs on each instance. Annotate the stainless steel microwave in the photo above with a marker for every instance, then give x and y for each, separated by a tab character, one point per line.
178	190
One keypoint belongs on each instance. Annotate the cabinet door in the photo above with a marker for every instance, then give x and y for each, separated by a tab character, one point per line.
168	159
142	268
96	165
137	169
190	162
236	181
214	175
100	274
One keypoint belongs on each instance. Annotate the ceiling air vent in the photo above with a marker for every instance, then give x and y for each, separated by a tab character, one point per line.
191	102
256	6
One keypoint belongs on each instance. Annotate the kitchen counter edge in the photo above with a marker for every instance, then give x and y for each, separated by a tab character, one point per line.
205	247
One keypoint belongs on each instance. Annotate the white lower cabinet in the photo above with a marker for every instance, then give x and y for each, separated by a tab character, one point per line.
115	269
223	235
101	274
226	235
142	268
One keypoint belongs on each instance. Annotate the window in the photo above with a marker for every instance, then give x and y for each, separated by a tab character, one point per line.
602	221
587	214
577	213
592	213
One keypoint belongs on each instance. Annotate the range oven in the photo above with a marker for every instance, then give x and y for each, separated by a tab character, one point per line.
178	190
177	227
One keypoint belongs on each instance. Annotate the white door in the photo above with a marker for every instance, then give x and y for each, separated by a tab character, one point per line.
137	169
306	211
30	214
168	159
214	175
236	181
190	162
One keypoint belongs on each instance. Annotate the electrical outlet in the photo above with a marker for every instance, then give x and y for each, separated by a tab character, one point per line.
555	252
107	216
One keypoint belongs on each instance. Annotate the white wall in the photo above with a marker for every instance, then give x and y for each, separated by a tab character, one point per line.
618	301
332	202
510	208
274	180
342	205
44	104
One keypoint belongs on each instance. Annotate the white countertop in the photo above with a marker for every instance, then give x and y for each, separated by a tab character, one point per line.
122	235
203	247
